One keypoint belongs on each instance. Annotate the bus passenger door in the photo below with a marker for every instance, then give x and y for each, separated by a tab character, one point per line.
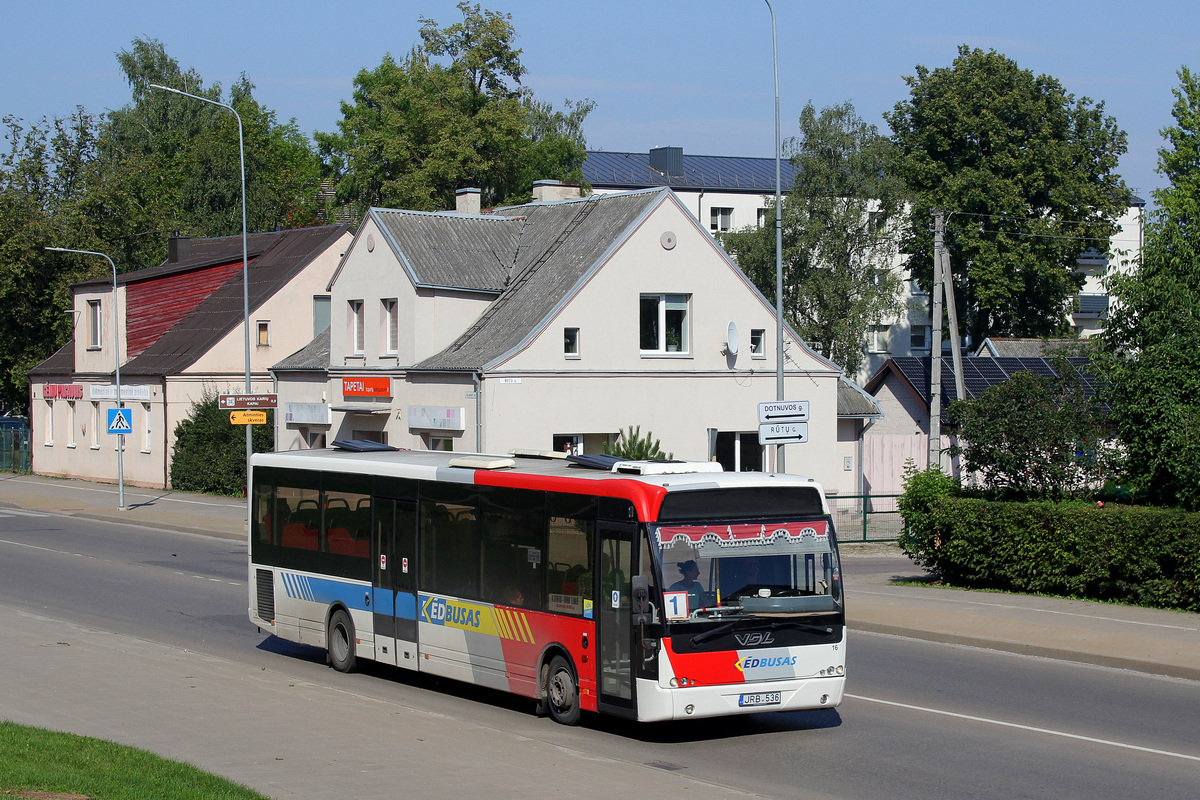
394	595
614	675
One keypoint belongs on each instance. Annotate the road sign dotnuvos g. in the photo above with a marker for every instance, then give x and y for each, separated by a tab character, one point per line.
783	411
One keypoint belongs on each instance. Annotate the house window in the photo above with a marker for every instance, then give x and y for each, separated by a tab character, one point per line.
95	326
264	333
571	342
763	219
49	423
918	337
915	288
70	423
391	325
356	327
880	338
720	219
321	303
664	323
147	433
758	342
95	425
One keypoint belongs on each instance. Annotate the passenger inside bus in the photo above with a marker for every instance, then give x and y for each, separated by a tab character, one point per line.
689	584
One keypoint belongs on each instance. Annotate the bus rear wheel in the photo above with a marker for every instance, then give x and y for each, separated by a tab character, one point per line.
340	641
562	692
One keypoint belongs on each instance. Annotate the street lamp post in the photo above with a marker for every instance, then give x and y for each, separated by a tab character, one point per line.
117	359
779	391
245	261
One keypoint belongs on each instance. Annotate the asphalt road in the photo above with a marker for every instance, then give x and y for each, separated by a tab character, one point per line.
922	720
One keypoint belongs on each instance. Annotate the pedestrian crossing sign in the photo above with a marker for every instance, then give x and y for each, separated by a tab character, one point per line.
119	420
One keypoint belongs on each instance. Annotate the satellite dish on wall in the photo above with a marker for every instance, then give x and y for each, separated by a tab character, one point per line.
731	339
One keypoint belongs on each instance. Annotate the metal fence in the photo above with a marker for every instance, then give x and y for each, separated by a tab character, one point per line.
866	517
15	453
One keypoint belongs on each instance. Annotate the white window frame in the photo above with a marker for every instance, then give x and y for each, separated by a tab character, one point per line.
390	312
147	433
71	424
49	442
95	325
881	339
95	425
720	219
758	342
927	335
263	329
357	331
571	344
667	304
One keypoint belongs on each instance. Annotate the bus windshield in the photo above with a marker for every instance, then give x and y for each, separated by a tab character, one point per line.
781	568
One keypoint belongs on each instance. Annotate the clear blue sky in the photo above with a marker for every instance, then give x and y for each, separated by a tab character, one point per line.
691	73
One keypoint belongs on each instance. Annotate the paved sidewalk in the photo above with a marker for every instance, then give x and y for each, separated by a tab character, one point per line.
1143	639
287	737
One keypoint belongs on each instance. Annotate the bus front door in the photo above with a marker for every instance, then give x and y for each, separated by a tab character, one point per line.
394	592
613	621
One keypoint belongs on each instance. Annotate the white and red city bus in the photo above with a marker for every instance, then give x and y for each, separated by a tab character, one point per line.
649	590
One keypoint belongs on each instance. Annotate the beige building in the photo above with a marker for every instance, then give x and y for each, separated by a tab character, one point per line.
556	325
179	334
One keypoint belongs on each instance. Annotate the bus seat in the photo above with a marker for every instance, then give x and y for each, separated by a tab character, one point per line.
341	542
296	534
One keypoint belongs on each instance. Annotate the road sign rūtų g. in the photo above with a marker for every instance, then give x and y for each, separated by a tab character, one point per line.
120	420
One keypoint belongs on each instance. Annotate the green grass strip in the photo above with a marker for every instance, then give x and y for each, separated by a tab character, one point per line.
49	761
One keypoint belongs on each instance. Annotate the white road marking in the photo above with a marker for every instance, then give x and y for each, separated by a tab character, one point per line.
1030	728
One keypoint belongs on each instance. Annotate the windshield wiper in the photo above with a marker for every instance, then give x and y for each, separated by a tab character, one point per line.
721	630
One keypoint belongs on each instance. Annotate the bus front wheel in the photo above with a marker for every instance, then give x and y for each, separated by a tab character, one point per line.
562	692
340	641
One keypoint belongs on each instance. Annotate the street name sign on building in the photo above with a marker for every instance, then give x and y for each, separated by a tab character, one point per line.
783	433
247	401
120	420
248	417
783	411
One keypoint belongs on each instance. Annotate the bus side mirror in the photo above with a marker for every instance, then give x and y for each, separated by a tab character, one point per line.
641	600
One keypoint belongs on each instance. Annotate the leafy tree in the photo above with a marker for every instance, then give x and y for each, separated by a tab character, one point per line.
632	445
1026	172
1034	436
451	114
44	170
837	246
923	490
1153	334
210	453
171	163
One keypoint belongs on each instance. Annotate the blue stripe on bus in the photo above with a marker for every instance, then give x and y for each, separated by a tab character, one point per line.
406	604
326	591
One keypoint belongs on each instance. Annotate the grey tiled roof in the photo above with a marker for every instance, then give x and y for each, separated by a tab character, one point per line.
557	244
722	173
854	402
446	249
313	356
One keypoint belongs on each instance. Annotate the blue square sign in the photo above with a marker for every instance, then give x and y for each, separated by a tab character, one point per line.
120	420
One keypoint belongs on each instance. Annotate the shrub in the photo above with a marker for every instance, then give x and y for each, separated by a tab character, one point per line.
632	445
210	453
923	489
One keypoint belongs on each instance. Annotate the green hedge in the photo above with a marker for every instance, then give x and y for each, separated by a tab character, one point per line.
1130	554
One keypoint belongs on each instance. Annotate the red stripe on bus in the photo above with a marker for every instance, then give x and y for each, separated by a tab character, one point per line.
646	498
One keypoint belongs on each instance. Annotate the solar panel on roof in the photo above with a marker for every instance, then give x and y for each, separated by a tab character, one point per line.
1038	366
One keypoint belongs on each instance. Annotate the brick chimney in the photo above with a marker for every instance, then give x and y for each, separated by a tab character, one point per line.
179	248
467	201
546	191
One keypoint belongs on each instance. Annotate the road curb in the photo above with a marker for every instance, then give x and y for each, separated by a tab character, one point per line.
1023	648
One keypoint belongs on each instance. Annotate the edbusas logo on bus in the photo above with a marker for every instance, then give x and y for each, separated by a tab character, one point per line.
766	664
440	611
